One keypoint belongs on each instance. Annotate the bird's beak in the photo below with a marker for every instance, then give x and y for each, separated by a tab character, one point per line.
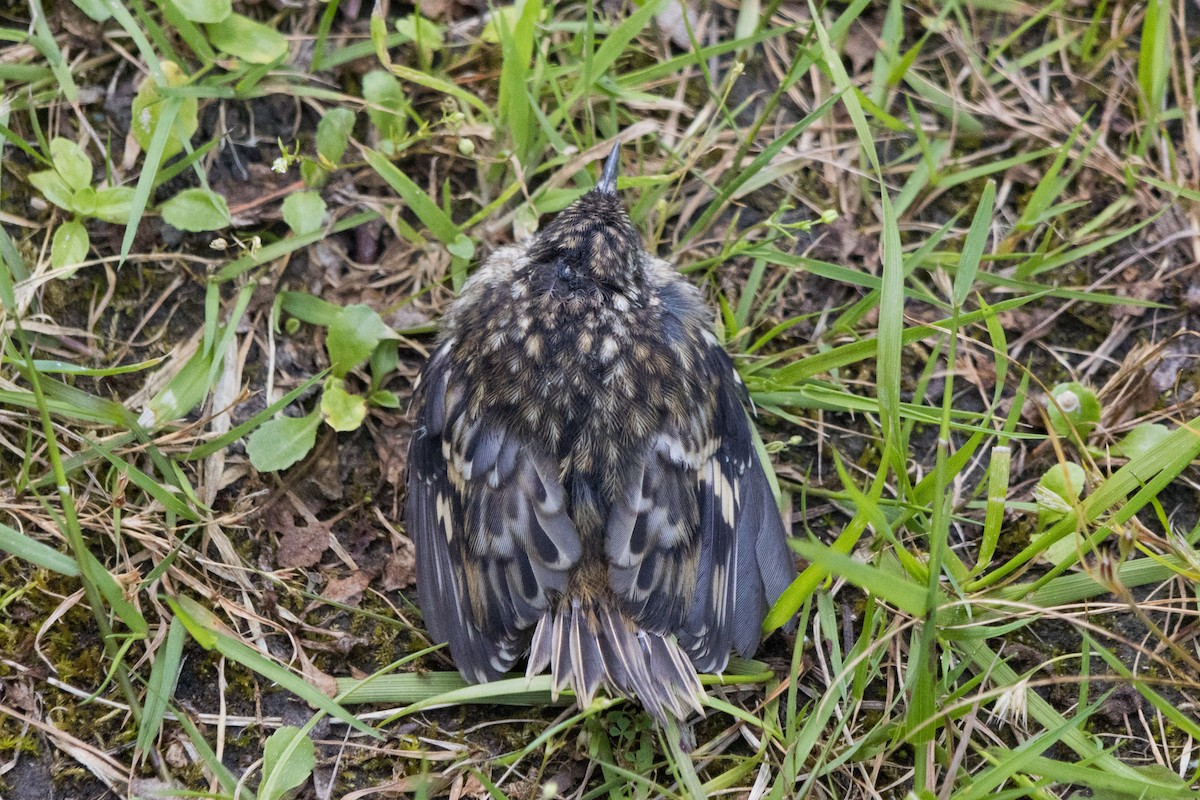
608	178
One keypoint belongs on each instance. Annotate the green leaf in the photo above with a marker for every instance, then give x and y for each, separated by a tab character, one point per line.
1060	487
383	398
972	252
200	623
205	627
282	442
1073	406
113	204
160	688
517	42
1154	58
248	40
288	761
153	159
430	213
70	245
33	551
342	410
95	9
84	201
209	633
333	132
310	309
52	187
204	10
196	210
462	246
185	390
891	587
304	212
1141	440
353	335
388	105
249	426
422	32
146	113
114	594
71	162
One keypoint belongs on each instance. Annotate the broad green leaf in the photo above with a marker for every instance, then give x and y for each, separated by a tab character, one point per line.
1141	440
1074	406
71	162
70	245
313	310
113	204
248	40
384	398
253	423
204	10
342	410
147	112
388	105
304	212
462	246
426	35
52	187
196	210
333	132
288	761
354	333
31	550
1060	488
282	442
83	201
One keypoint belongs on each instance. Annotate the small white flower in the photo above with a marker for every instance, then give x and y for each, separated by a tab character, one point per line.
279	165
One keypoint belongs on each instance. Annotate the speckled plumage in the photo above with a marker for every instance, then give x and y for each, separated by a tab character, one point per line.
582	478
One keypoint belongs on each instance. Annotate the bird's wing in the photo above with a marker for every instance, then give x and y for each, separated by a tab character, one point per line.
488	517
696	545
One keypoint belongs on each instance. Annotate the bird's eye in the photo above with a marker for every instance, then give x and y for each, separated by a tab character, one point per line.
564	270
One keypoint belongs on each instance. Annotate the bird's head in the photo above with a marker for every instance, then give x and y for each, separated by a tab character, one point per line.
592	240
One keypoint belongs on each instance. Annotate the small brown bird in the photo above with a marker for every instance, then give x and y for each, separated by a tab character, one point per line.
582	478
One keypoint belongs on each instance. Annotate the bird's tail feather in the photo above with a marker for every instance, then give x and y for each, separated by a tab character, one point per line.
588	646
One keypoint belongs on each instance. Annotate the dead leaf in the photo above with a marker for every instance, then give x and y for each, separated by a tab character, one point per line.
434	9
347	590
301	545
401	570
322	680
861	46
391	451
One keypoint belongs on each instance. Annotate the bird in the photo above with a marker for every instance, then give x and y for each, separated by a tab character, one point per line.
582	478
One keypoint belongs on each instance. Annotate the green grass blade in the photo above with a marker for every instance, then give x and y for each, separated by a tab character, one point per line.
160	687
18	544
